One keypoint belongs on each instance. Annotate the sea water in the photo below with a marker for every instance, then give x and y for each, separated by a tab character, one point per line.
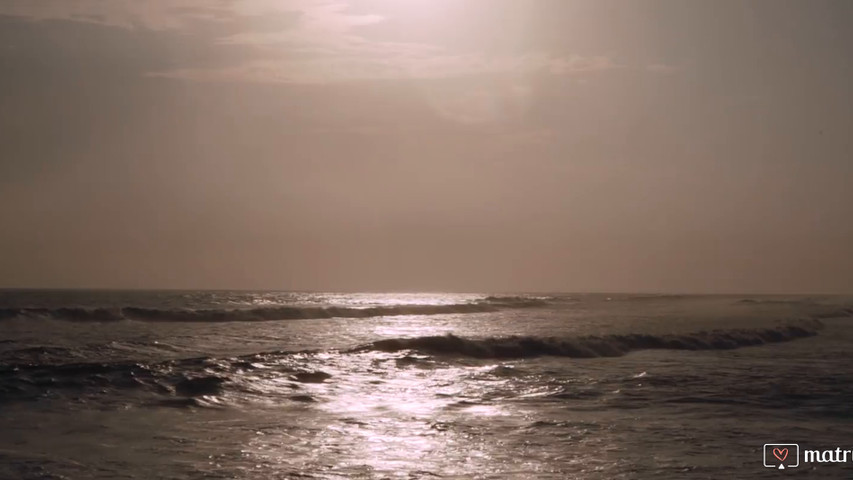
265	385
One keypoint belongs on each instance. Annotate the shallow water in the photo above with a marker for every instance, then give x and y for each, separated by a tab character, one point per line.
210	385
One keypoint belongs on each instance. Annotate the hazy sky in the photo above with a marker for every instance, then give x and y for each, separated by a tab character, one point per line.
482	145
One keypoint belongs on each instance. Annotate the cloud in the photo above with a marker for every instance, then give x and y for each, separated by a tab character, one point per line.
328	48
482	105
393	64
324	45
157	15
661	68
177	14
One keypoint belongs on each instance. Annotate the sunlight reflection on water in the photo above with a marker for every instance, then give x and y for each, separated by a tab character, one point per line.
381	418
310	398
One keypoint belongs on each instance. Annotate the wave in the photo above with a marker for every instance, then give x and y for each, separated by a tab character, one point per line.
646	297
73	314
79	314
777	301
516	301
837	313
182	382
591	346
191	378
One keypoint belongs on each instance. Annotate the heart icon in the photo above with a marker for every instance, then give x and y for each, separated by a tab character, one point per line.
780	453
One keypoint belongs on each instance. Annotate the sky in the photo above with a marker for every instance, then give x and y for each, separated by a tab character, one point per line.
441	145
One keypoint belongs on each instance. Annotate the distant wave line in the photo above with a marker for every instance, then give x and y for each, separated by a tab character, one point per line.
79	314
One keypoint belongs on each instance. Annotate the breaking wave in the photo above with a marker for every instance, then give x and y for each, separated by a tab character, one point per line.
592	346
175	380
188	381
78	314
777	301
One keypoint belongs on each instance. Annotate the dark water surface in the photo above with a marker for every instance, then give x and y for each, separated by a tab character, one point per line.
257	385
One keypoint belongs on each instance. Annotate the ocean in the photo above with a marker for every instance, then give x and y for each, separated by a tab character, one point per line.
280	385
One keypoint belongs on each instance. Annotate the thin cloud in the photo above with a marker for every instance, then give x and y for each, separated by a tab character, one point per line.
373	65
661	68
323	46
131	14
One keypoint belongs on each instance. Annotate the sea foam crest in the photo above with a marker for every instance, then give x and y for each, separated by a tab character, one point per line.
593	346
79	314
